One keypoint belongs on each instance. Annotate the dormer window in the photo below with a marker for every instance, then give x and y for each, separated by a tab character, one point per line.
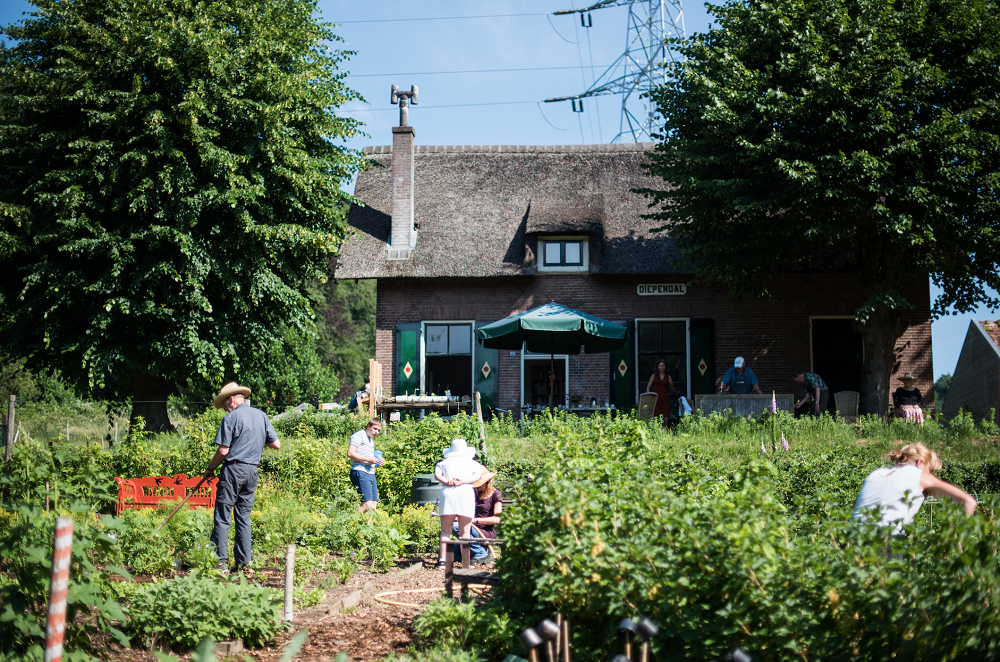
563	254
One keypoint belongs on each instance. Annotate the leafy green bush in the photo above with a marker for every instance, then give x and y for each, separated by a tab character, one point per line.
181	612
761	556
370	536
422	530
447	625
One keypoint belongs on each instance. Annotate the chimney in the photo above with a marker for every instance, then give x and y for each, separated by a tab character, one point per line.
404	236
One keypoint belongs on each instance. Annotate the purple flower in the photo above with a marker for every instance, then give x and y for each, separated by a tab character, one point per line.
762	449
784	442
774	403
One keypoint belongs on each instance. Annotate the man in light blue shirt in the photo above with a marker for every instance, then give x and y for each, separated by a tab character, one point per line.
740	379
364	459
241	439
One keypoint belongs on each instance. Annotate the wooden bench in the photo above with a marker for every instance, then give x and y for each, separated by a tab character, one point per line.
467	575
156	491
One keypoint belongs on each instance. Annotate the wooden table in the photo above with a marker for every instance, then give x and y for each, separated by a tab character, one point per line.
445	408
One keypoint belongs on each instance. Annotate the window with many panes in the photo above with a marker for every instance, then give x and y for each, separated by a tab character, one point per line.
562	254
448	359
665	341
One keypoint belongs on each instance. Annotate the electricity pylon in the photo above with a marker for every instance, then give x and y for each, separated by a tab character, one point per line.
639	69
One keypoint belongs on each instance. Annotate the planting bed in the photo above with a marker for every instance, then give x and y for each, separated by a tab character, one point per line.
369	631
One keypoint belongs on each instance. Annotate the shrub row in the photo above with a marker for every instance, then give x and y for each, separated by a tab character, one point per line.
761	556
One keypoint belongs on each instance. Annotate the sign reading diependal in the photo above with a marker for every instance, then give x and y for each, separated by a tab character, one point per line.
661	289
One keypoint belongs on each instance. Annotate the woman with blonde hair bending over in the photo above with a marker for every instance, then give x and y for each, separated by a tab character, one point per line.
899	491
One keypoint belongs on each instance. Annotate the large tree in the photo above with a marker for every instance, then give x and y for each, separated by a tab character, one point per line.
170	178
842	135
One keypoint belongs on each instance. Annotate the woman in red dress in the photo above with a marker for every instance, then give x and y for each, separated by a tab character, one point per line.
663	386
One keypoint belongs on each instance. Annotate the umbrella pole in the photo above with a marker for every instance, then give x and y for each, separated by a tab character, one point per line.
552	368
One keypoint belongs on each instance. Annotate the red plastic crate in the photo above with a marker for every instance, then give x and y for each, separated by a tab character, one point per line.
156	491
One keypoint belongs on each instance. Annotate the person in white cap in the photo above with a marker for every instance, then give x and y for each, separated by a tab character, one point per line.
740	379
241	439
457	472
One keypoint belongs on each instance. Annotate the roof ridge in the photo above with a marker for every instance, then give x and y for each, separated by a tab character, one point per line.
514	149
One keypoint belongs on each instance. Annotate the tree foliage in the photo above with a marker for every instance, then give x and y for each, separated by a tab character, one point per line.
854	135
169	182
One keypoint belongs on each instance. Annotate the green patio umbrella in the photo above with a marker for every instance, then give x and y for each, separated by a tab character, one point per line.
553	329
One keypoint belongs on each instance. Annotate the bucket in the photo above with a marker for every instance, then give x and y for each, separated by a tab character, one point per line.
424	489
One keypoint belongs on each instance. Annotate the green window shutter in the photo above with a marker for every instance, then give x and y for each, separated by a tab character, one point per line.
702	356
623	370
407	358
486	380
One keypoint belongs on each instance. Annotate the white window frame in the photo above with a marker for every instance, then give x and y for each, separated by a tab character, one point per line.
532	356
577	269
423	350
687	349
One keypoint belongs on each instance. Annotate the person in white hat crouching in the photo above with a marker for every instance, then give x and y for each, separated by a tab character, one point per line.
457	472
241	439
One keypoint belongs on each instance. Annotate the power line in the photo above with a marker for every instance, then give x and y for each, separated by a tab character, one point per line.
464	71
438	18
422	107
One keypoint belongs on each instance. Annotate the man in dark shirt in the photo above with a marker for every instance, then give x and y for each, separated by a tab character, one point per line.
241	439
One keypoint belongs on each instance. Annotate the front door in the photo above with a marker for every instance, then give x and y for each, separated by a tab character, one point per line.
837	355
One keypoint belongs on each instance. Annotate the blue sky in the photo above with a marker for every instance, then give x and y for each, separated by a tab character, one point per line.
552	56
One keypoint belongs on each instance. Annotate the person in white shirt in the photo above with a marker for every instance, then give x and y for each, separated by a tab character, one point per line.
457	472
364	459
899	491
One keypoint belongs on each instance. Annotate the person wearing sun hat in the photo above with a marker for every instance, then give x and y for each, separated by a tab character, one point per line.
240	440
907	401
489	506
457	472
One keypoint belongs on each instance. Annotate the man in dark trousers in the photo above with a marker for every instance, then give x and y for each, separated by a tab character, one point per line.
241	439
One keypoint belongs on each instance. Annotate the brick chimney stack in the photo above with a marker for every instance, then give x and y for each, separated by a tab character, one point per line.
404	235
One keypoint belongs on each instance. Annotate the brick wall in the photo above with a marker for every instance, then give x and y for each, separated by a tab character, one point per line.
773	336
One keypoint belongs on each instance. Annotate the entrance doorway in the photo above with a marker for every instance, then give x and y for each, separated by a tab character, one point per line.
536	381
837	354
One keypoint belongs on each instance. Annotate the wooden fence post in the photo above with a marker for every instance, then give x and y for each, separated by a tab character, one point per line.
289	580
61	555
479	415
10	431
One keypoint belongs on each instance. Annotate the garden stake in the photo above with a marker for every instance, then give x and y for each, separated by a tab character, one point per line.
289	579
648	630
46	496
186	497
626	632
559	640
549	632
565	639
531	640
62	553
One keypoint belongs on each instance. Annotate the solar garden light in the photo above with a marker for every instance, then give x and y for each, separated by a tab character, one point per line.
531	640
550	633
647	629
736	655
626	632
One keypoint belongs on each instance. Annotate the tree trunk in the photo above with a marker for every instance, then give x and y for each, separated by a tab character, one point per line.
149	400
878	336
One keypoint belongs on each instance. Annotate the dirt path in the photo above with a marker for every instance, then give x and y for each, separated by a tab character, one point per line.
369	631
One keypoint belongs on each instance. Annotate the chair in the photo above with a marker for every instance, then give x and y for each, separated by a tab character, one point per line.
847	404
647	405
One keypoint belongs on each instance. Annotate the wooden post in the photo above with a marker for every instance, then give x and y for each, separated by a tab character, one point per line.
61	555
10	432
479	415
67	432
289	580
116	433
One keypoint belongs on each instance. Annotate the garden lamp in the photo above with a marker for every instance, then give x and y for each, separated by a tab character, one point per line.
550	633
626	632
648	630
531	640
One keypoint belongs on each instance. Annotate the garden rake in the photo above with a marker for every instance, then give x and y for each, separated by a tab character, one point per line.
181	504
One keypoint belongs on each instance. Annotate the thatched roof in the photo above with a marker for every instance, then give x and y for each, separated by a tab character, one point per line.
479	210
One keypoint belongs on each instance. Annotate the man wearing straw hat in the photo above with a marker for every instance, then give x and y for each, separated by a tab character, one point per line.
241	439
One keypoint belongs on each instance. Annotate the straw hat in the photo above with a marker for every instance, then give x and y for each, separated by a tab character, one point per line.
487	477
232	388
907	378
459	448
